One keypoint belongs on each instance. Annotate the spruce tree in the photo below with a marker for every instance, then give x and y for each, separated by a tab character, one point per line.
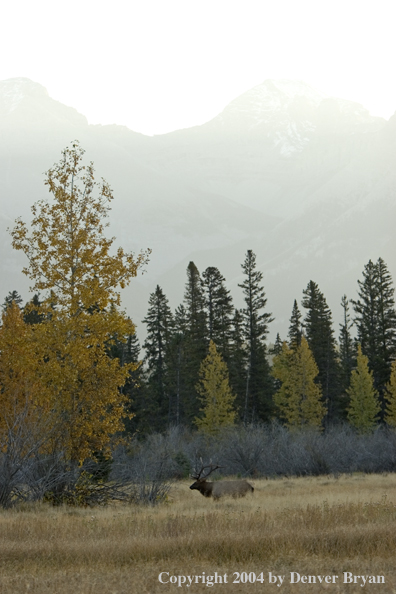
216	395
259	387
276	349
159	329
375	319
31	311
12	297
135	388
347	350
387	324
195	341
238	361
320	336
178	368
364	405
219	310
299	397
295	328
366	313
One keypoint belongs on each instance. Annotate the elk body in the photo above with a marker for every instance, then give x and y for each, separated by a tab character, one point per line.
219	488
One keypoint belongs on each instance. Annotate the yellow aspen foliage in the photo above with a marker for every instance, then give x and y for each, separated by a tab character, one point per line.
364	405
23	401
217	397
74	263
390	396
299	398
67	250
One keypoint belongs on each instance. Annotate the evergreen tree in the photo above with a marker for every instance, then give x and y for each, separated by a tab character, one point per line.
295	328
219	309
159	329
195	308
347	348
375	319
238	361
216	395
196	340
299	398
320	336
390	396
31	311
258	391
274	351
178	368
12	297
138	410
364	404
277	347
386	326
366	313
135	388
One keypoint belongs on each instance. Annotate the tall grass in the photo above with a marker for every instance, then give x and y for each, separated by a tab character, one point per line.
309	525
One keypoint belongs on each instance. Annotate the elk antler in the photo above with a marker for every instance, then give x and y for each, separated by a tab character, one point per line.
212	468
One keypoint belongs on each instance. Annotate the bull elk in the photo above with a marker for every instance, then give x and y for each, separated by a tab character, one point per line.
220	488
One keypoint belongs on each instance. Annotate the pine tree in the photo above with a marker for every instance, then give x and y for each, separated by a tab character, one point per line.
375	319
195	308
32	312
299	398
390	396
295	328
216	395
320	336
219	309
387	325
258	391
159	331
364	404
138	407
238	361
178	367
195	342
277	347
347	348
12	297
366	313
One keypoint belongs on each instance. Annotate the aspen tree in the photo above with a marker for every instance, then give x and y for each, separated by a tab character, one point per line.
72	264
390	397
299	399
216	395
22	396
364	404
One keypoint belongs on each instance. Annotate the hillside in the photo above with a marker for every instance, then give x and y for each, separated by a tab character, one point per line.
304	180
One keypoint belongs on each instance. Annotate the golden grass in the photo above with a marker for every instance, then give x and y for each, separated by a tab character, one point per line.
312	526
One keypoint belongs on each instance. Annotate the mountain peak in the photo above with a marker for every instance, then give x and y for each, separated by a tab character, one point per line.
288	112
26	101
14	90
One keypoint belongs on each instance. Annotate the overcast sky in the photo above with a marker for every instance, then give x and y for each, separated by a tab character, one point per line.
159	65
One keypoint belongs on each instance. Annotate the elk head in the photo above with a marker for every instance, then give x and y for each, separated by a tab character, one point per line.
201	484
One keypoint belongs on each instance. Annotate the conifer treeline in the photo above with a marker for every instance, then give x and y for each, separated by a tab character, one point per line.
177	344
309	378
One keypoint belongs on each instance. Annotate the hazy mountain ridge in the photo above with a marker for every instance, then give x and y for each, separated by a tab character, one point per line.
305	180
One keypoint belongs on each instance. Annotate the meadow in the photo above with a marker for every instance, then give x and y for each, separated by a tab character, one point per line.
314	526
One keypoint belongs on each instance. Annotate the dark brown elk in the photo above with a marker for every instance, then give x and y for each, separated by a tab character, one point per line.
220	488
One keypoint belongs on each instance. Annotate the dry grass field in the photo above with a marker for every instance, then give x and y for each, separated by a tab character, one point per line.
314	526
